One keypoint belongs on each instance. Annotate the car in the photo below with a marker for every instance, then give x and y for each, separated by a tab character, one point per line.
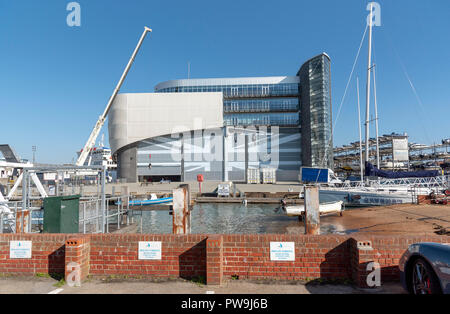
425	268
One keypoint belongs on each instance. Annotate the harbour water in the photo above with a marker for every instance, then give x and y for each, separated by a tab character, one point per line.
232	219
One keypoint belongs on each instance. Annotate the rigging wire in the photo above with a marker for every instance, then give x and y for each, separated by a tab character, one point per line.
414	90
345	94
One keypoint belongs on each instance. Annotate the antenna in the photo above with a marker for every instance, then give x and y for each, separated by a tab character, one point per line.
189	70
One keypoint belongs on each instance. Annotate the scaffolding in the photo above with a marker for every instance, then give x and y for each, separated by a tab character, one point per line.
421	157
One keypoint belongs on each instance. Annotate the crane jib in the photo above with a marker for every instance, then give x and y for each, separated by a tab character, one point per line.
98	126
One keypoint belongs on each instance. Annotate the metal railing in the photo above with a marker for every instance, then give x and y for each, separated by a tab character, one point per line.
441	182
14	219
96	217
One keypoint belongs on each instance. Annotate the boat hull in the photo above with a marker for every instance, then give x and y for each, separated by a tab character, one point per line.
366	198
164	200
325	209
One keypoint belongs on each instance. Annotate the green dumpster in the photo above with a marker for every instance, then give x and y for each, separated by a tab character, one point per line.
61	214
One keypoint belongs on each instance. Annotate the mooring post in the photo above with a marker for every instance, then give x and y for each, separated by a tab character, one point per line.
181	210
312	210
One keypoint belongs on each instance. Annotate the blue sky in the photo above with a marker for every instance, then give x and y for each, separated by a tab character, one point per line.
56	80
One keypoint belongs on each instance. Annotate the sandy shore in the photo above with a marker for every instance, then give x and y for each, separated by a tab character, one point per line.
395	219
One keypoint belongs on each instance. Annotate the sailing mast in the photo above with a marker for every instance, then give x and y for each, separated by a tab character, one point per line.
369	66
376	115
360	133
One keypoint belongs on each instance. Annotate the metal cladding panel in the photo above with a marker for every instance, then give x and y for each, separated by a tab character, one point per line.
160	171
287	175
126	164
213	174
52	215
136	117
203	154
61	214
163	153
277	148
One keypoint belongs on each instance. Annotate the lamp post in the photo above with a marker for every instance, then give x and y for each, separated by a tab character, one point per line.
33	148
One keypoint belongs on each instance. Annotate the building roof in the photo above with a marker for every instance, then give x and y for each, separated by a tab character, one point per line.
229	81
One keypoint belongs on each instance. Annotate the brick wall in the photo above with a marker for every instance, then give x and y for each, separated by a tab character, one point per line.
248	256
48	254
78	253
214	257
384	250
182	256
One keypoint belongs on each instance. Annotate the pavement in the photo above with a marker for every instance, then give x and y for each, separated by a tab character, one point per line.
43	285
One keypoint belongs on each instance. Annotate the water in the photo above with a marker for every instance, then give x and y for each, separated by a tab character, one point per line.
232	219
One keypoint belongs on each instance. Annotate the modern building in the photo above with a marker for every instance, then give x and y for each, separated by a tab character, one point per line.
221	127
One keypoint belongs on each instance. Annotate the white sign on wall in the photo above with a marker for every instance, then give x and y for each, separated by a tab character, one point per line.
150	250
20	249
282	251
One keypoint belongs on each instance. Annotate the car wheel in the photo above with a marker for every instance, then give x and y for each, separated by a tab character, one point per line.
424	280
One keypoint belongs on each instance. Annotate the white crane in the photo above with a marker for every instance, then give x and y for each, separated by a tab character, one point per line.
101	120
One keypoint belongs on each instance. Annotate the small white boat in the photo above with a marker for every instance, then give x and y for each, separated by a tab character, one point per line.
325	209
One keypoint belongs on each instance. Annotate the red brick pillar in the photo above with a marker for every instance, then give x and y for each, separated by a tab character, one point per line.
363	255
77	259
214	260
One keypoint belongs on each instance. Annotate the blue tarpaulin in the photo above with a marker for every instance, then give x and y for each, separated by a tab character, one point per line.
372	171
314	175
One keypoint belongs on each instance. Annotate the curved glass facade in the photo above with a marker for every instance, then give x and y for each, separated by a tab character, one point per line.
317	144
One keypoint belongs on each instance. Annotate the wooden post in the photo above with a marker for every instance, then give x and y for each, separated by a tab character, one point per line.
181	210
312	210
